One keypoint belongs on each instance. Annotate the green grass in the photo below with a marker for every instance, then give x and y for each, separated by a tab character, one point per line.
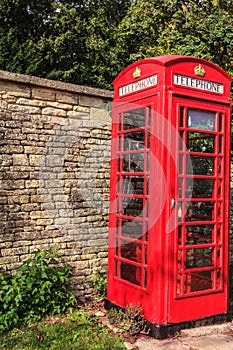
80	330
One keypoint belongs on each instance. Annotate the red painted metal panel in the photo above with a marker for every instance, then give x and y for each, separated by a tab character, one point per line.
169	191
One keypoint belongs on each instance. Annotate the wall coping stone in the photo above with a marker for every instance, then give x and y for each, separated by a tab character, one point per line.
54	84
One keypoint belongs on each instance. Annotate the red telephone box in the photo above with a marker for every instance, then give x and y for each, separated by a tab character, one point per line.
169	192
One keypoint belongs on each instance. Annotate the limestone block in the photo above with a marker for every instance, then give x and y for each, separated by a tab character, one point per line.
40	247
13	184
30	207
39	215
43	94
53	112
81	109
31	102
78	115
62	221
8	259
100	114
20	159
6	160
56	104
25	235
11	149
90	101
6	245
15	89
32	183
65	97
35	160
80	265
14	251
21	243
44	222
24	109
33	150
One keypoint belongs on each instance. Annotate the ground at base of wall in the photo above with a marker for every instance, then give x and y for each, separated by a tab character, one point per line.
216	337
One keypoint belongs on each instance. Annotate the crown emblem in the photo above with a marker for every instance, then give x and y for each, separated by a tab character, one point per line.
199	70
137	73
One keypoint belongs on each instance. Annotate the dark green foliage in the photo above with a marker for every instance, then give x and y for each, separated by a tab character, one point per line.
39	287
79	331
99	283
89	42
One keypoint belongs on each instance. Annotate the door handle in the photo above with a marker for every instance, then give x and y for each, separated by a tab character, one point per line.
173	203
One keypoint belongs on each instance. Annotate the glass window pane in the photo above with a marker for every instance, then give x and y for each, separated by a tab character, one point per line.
199	188
199	211
130	273
198	165
132	206
131	251
116	268
134	141
199	234
133	184
146	231
198	281
181	117
132	228
146	254
199	257
133	162
145	279
134	119
200	142
119	160
119	121
220	145
202	120
220	122
116	247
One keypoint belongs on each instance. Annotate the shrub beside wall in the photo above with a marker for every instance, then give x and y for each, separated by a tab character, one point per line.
54	173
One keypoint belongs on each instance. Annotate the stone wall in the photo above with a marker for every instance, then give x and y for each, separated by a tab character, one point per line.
54	173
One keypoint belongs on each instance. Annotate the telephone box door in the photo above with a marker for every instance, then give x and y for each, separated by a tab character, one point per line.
200	238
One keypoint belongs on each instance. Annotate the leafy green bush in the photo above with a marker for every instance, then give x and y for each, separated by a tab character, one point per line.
99	283
38	288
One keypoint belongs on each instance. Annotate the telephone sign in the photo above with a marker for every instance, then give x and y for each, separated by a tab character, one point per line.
169	192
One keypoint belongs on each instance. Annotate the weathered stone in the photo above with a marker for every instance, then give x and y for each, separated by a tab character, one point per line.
32	183
54	111
24	109
31	102
43	94
35	160
33	150
53	150
100	114
14	251
90	101
6	160
20	159
67	98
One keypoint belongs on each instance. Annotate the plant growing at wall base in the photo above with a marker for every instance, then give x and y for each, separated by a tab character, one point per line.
130	320
99	283
39	287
